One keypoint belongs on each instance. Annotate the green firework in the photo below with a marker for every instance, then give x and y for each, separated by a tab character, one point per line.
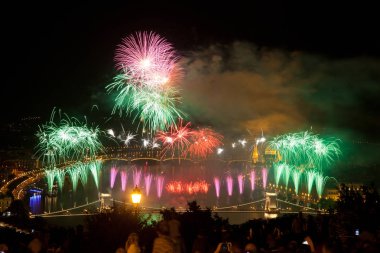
74	176
287	173
310	176
278	169
67	140
50	175
60	177
320	182
83	173
306	150
153	109
296	175
94	168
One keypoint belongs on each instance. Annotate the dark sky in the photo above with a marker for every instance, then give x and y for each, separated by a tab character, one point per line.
289	66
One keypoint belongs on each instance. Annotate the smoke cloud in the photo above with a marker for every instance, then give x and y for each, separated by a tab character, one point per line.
240	87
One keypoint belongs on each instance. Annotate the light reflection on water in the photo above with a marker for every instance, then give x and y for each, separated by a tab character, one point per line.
228	193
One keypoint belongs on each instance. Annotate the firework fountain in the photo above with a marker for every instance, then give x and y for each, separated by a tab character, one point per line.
217	186
264	173
241	183
230	185
160	185
252	179
113	176
303	153
68	141
148	182
123	178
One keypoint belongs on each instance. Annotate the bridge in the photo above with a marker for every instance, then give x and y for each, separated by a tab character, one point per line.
268	207
166	159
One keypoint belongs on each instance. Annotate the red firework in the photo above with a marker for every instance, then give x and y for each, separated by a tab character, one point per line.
176	140
178	187
148	58
203	142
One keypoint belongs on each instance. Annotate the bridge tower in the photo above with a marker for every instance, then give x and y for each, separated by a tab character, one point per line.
105	202
271	208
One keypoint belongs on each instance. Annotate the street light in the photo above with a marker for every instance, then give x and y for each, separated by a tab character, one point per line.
136	197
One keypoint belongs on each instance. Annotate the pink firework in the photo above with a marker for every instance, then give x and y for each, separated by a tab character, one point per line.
176	140
136	177
203	142
241	183
252	177
148	181
230	185
264	172
123	180
113	176
148	58
217	186
160	185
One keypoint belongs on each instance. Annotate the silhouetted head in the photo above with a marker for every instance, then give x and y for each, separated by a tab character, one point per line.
163	227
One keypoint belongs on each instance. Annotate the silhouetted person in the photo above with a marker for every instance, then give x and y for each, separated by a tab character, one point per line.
132	244
200	244
163	243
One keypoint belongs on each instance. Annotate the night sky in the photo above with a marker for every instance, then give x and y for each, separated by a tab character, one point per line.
268	66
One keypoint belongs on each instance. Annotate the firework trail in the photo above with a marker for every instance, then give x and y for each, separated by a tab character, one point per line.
128	139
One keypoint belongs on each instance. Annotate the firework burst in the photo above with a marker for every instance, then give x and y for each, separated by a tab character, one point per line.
176	140
204	141
306	150
155	109
148	58
67	140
